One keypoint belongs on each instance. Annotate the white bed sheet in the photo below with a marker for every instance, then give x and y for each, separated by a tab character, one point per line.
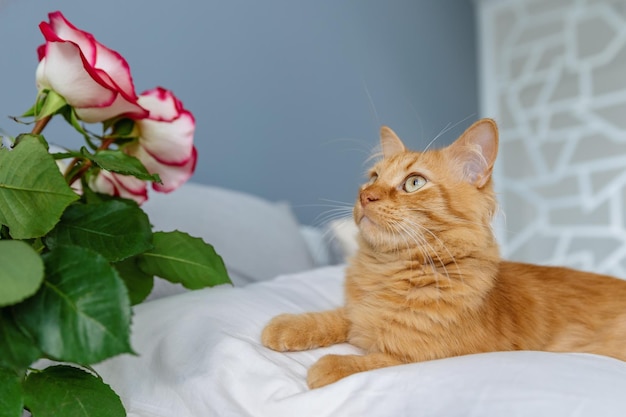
199	355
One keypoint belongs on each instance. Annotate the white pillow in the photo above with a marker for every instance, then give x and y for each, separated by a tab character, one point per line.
199	354
257	239
318	246
343	234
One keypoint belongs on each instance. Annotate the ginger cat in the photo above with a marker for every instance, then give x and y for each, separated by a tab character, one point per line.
427	281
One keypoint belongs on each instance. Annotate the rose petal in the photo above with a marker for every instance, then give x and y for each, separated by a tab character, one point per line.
172	176
41	51
161	103
168	142
63	71
103	184
60	29
120	186
96	54
167	133
85	72
40	79
120	106
118	69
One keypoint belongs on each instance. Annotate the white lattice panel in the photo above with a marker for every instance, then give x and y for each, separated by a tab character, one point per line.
553	73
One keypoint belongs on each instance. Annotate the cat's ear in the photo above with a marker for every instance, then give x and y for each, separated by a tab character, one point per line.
390	142
475	151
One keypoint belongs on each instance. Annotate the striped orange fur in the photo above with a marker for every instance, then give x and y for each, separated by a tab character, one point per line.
428	282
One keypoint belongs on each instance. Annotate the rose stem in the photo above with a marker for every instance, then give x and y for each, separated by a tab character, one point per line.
40	125
105	144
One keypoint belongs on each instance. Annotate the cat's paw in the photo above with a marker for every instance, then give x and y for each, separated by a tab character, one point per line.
287	332
331	368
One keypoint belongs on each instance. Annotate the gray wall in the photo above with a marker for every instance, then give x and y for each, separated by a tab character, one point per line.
288	95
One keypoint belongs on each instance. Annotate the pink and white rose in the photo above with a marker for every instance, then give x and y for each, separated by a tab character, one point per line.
96	82
124	186
165	147
92	78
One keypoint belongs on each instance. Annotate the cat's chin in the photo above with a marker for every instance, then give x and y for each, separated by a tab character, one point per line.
374	232
370	230
366	223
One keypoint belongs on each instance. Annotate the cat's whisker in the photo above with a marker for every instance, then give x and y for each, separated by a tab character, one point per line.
445	130
362	147
375	153
420	244
401	232
488	227
318	205
370	100
334	209
443	245
328	216
329	204
415	225
339	203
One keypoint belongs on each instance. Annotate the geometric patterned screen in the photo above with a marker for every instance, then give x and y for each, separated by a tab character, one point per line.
553	74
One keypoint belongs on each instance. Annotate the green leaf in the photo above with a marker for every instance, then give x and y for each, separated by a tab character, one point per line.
117	229
178	257
92	197
33	193
31	112
36	108
21	273
70	392
17	350
66	155
11	394
138	283
40	138
121	163
81	313
124	128
70	116
51	103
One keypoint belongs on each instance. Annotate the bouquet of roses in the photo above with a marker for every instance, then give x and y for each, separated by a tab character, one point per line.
76	250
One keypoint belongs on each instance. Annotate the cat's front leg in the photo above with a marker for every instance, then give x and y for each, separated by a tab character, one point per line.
332	368
294	332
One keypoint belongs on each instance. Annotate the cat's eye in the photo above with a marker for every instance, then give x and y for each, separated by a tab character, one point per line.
414	183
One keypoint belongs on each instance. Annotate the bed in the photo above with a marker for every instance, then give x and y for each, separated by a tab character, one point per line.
199	352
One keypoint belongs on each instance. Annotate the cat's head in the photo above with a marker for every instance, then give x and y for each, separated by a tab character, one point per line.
440	201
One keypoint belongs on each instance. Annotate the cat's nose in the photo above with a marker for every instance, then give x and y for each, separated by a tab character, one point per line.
367	196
